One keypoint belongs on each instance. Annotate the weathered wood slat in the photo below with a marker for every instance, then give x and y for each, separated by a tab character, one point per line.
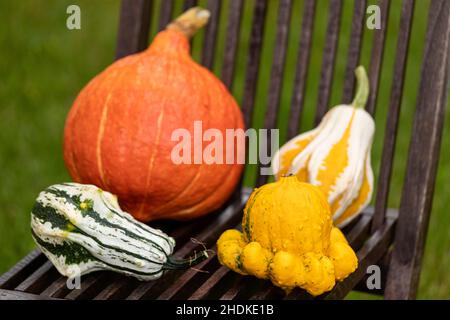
244	288
18	295
276	76
417	194
231	42
39	279
91	285
376	56
207	267
165	15
208	235
189	4
356	38
390	136
206	288
268	292
117	289
18	273
254	57
133	27
383	263
58	288
209	43
328	58
184	284
301	74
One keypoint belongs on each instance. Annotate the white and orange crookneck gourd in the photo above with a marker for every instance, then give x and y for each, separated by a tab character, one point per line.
335	156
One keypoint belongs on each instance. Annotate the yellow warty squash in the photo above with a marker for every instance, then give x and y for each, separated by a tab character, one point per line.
335	156
288	237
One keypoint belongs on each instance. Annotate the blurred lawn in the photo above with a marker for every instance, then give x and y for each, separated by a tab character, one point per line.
43	66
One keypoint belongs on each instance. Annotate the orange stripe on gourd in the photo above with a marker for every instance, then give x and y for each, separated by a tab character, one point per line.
287	157
335	163
364	193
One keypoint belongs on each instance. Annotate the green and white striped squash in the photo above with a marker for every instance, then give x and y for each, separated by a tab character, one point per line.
81	229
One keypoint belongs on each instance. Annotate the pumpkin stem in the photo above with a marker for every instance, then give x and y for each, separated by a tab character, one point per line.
178	264
362	90
190	21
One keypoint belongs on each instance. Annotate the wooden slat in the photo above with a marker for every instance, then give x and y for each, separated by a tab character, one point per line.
185	281
117	288
268	292
91	285
254	56
183	285
22	269
358	234
328	58
205	289
182	234
423	157
189	4
301	74
228	219
276	76
39	279
244	288
390	136
133	27
209	43
231	42
165	15
356	38
376	56
18	295
235	289
57	289
384	267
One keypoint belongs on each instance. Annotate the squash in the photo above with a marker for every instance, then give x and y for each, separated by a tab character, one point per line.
121	130
81	229
335	156
288	237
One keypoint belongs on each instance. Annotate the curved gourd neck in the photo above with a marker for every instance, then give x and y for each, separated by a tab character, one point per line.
190	22
175	38
362	88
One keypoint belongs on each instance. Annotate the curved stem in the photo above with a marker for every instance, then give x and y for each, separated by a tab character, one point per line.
362	90
190	21
177	264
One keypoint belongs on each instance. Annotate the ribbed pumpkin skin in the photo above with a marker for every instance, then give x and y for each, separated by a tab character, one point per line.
118	132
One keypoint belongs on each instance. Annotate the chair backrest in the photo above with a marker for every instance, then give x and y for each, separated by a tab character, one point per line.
416	197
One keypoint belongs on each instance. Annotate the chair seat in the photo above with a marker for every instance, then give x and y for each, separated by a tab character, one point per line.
34	277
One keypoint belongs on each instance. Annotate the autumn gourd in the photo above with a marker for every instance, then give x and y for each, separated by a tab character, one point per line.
335	156
123	130
81	229
288	237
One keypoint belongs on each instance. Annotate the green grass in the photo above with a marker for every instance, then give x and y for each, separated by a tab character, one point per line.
43	66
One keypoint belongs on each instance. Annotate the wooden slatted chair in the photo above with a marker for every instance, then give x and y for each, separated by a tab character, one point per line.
393	239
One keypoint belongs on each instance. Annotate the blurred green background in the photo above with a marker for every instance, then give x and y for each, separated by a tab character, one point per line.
43	65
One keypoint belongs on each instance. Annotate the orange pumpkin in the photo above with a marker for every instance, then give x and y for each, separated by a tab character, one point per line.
118	133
